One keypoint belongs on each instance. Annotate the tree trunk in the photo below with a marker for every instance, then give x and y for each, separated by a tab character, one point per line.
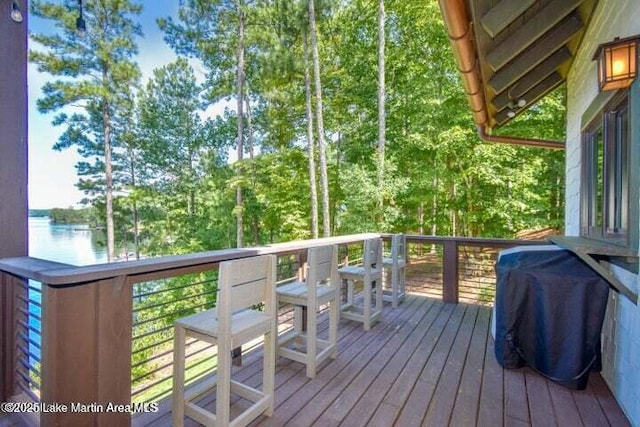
240	96
255	220
454	211
310	144
108	171
324	181
134	207
381	110
191	204
336	186
249	123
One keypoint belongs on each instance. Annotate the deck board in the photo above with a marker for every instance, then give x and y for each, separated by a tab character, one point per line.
540	408
361	414
491	400
333	372
611	409
589	407
441	406
315	408
516	402
377	368
465	411
564	406
418	400
424	363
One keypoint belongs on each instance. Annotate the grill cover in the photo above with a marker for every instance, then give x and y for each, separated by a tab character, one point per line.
549	311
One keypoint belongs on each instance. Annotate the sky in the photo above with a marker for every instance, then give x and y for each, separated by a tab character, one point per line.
52	174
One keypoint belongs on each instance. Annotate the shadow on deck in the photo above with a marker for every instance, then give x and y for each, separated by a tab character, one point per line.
425	363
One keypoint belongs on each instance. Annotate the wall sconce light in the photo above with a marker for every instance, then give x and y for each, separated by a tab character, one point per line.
16	13
81	25
617	63
514	106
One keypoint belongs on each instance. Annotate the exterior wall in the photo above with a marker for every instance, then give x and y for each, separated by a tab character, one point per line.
13	173
13	134
621	331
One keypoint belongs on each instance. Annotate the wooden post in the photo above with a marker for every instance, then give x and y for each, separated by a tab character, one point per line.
13	180
13	133
86	351
7	338
450	272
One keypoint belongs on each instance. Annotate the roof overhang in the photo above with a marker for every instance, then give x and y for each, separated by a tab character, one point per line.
512	53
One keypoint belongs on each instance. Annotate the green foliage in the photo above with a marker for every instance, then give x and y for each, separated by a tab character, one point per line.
72	216
175	191
95	75
39	212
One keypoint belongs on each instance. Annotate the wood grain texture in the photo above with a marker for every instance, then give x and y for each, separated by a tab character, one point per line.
425	354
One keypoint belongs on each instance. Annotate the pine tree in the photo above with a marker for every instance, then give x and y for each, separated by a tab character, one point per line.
95	71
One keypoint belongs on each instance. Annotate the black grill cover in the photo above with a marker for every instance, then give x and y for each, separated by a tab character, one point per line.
549	310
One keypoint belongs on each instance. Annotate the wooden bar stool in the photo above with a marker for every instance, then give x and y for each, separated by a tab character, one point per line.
397	263
370	274
319	287
242	284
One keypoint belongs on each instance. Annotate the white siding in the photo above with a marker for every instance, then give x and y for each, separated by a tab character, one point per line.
621	332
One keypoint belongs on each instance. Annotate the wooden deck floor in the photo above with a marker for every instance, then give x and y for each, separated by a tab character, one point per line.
425	363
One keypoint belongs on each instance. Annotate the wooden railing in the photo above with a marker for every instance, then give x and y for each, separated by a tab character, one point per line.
88	317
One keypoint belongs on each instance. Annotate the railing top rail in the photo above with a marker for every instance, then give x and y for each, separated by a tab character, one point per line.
57	274
472	241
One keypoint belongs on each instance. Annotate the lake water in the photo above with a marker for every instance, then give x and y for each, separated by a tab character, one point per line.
70	244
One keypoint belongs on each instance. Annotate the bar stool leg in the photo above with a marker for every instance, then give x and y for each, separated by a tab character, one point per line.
367	304
334	319
223	386
269	369
395	289
312	344
379	296
177	411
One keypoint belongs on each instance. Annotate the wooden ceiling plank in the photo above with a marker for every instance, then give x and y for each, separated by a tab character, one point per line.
544	87
504	13
547	44
530	31
532	78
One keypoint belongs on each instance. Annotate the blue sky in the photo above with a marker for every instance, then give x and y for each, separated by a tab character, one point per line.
52	174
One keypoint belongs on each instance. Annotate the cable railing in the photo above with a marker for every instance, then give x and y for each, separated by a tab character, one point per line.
156	306
28	311
109	329
455	269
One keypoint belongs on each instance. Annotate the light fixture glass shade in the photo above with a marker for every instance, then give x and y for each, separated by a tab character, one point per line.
16	13
81	26
617	63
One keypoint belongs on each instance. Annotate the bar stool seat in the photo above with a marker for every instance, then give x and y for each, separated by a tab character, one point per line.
370	274
319	288
242	284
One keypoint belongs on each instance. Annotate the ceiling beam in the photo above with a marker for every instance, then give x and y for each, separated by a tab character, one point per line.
547	44
532	96
532	78
530	31
504	13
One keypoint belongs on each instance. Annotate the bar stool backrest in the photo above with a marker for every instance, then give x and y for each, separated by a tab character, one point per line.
323	265
398	247
246	283
372	257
